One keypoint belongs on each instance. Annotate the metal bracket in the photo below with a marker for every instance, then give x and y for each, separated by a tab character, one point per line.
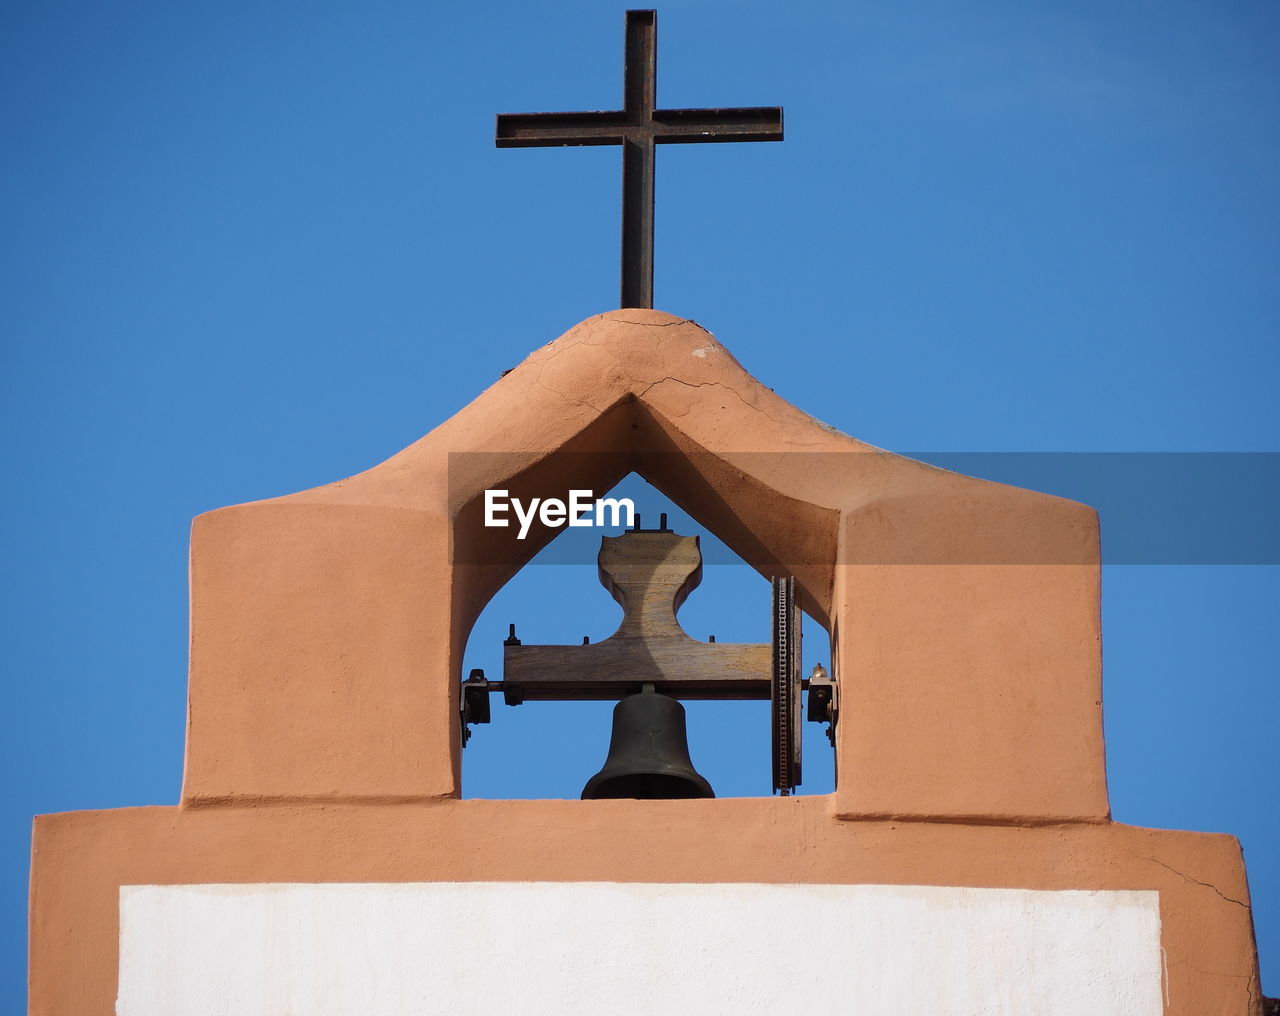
473	703
824	704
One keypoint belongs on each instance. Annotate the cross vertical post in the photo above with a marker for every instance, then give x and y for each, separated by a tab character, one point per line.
638	162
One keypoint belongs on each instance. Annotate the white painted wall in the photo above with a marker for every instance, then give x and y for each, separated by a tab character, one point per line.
599	949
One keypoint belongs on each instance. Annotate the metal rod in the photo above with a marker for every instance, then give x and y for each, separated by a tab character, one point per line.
640	85
637	222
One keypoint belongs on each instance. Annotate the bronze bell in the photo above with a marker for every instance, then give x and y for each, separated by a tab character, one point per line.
648	753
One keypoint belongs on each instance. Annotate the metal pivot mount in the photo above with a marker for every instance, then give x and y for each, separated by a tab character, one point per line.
637	127
650	572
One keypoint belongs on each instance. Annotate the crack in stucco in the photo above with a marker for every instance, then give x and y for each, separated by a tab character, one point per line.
1212	973
1196	881
705	384
1250	984
740	397
659	324
566	396
688	384
589	336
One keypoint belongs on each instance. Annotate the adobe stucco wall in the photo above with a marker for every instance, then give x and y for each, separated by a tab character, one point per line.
82	859
328	626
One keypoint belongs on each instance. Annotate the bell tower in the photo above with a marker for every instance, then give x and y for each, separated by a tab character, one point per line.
322	860
321	855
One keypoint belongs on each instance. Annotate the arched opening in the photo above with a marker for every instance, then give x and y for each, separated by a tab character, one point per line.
550	749
328	627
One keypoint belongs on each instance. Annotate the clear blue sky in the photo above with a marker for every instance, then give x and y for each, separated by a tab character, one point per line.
250	248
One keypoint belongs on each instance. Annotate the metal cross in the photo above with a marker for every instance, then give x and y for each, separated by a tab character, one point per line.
637	128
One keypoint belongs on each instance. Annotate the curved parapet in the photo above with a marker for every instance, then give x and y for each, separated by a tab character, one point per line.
328	626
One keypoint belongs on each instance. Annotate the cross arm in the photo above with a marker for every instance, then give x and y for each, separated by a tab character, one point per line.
747	123
543	130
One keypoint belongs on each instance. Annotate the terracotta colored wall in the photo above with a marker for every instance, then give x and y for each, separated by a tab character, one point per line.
314	640
82	859
328	626
973	688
